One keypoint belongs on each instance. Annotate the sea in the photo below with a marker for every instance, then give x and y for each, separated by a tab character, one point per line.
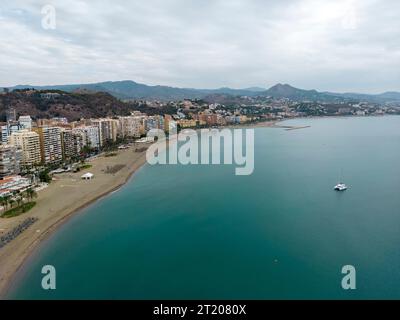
202	232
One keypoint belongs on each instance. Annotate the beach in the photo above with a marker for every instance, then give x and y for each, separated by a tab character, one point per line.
66	195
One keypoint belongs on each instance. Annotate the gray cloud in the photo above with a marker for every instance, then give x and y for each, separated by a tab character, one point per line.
336	45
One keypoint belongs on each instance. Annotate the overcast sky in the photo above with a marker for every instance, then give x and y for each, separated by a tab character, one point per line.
338	45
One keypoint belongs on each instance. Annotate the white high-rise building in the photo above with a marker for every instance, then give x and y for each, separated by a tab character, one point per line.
91	136
25	122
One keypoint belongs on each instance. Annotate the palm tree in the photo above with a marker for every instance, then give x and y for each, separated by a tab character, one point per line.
18	198
28	193
6	200
3	202
31	193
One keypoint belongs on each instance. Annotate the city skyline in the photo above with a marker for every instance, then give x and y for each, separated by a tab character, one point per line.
340	46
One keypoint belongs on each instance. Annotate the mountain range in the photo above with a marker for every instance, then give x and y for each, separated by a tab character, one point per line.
130	90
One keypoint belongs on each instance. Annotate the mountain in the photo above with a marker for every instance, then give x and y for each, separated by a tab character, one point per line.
287	91
130	90
386	97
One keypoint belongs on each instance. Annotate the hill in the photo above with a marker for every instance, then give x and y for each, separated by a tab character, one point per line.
56	103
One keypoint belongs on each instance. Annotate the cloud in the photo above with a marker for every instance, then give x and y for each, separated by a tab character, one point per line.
336	45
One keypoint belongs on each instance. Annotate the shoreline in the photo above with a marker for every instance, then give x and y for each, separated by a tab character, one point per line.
15	254
27	246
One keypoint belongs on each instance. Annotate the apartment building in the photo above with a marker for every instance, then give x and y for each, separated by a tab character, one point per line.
131	126
72	143
29	144
50	144
108	130
10	158
90	136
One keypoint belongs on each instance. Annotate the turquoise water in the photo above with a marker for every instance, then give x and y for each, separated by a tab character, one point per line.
200	232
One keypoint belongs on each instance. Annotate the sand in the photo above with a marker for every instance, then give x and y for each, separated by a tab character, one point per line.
65	196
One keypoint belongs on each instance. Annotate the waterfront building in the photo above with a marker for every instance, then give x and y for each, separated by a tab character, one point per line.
108	130
29	144
90	136
130	126
72	143
10	158
50	144
11	184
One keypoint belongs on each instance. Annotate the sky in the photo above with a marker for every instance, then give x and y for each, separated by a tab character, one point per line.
328	45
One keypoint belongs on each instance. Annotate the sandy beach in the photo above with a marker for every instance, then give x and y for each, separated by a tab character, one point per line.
65	196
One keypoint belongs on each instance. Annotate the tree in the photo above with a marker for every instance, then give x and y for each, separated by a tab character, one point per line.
44	176
3	202
31	193
6	200
18	199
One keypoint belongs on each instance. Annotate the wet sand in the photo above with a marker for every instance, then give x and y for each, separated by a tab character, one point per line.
65	196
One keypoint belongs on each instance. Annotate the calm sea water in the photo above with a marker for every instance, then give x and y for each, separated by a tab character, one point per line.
185	232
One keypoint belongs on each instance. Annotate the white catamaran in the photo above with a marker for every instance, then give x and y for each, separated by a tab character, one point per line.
340	186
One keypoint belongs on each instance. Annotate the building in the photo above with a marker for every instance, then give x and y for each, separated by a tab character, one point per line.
13	126
87	176
186	123
10	158
167	120
209	119
4	132
72	143
11	184
25	122
11	115
49	95
90	136
153	122
53	122
50	144
29	144
130	126
108	130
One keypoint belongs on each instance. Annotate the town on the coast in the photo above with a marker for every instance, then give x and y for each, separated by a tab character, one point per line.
34	149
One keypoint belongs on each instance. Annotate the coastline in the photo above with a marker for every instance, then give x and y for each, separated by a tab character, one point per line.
14	255
55	207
